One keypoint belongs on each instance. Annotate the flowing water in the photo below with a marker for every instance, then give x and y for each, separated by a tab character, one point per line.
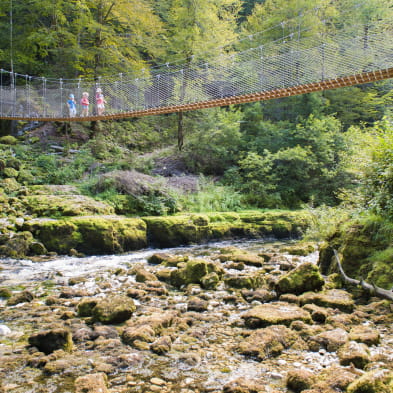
203	355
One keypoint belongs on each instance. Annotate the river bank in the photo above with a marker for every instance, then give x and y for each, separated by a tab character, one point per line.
228	317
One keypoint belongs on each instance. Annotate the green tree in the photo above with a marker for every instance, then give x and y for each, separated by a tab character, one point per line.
79	37
307	162
378	174
198	30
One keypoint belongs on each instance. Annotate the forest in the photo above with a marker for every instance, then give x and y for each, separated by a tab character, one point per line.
328	148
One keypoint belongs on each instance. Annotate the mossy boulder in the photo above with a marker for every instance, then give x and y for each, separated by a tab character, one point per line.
354	353
85	307
264	343
113	309
365	334
276	313
193	272
18	245
301	248
172	231
305	277
235	254
374	381
210	280
10	172
331	340
90	234
20	297
64	205
243	281
51	340
196	228
8	140
334	298
143	333
10	185
5	293
299	380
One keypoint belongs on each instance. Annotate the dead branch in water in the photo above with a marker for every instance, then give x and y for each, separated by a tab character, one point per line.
371	288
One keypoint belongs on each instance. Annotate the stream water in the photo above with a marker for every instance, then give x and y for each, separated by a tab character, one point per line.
203	356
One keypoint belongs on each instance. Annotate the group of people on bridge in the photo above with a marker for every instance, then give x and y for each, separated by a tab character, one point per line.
85	104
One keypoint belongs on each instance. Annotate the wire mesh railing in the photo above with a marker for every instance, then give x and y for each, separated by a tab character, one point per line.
283	64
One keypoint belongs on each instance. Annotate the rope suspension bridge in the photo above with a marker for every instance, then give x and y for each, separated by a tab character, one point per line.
287	67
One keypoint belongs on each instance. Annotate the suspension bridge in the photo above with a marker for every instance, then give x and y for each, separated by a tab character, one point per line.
286	67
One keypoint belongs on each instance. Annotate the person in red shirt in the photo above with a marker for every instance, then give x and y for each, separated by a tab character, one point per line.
100	102
85	104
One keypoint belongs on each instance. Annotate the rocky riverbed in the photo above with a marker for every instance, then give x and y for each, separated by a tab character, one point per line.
234	318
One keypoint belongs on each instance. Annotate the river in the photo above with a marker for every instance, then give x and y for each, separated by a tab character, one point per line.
203	354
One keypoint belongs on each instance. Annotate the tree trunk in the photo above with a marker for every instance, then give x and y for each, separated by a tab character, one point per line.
180	131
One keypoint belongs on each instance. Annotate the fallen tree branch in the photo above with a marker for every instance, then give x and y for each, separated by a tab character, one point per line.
371	288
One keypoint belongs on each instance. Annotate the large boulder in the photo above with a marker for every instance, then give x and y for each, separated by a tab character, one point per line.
374	381
278	313
194	272
331	340
113	309
89	234
354	353
305	277
267	342
334	298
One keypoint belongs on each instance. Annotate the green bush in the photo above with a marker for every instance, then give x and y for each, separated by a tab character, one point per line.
8	140
378	180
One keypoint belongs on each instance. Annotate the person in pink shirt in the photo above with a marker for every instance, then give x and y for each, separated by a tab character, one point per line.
85	104
100	102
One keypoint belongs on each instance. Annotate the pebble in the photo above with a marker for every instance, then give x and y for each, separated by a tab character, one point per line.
157	381
281	362
275	375
4	330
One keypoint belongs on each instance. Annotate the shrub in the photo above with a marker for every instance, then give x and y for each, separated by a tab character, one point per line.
8	140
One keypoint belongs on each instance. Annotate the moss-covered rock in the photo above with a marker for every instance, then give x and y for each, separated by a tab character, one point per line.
365	334
277	313
235	254
334	298
113	309
243	281
196	228
210	280
193	272
264	343
85	307
299	380
51	340
354	353
5	293
143	333
365	249
18	245
8	140
91	383
90	234
305	277
374	381
301	248
64	205
10	172
20	297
